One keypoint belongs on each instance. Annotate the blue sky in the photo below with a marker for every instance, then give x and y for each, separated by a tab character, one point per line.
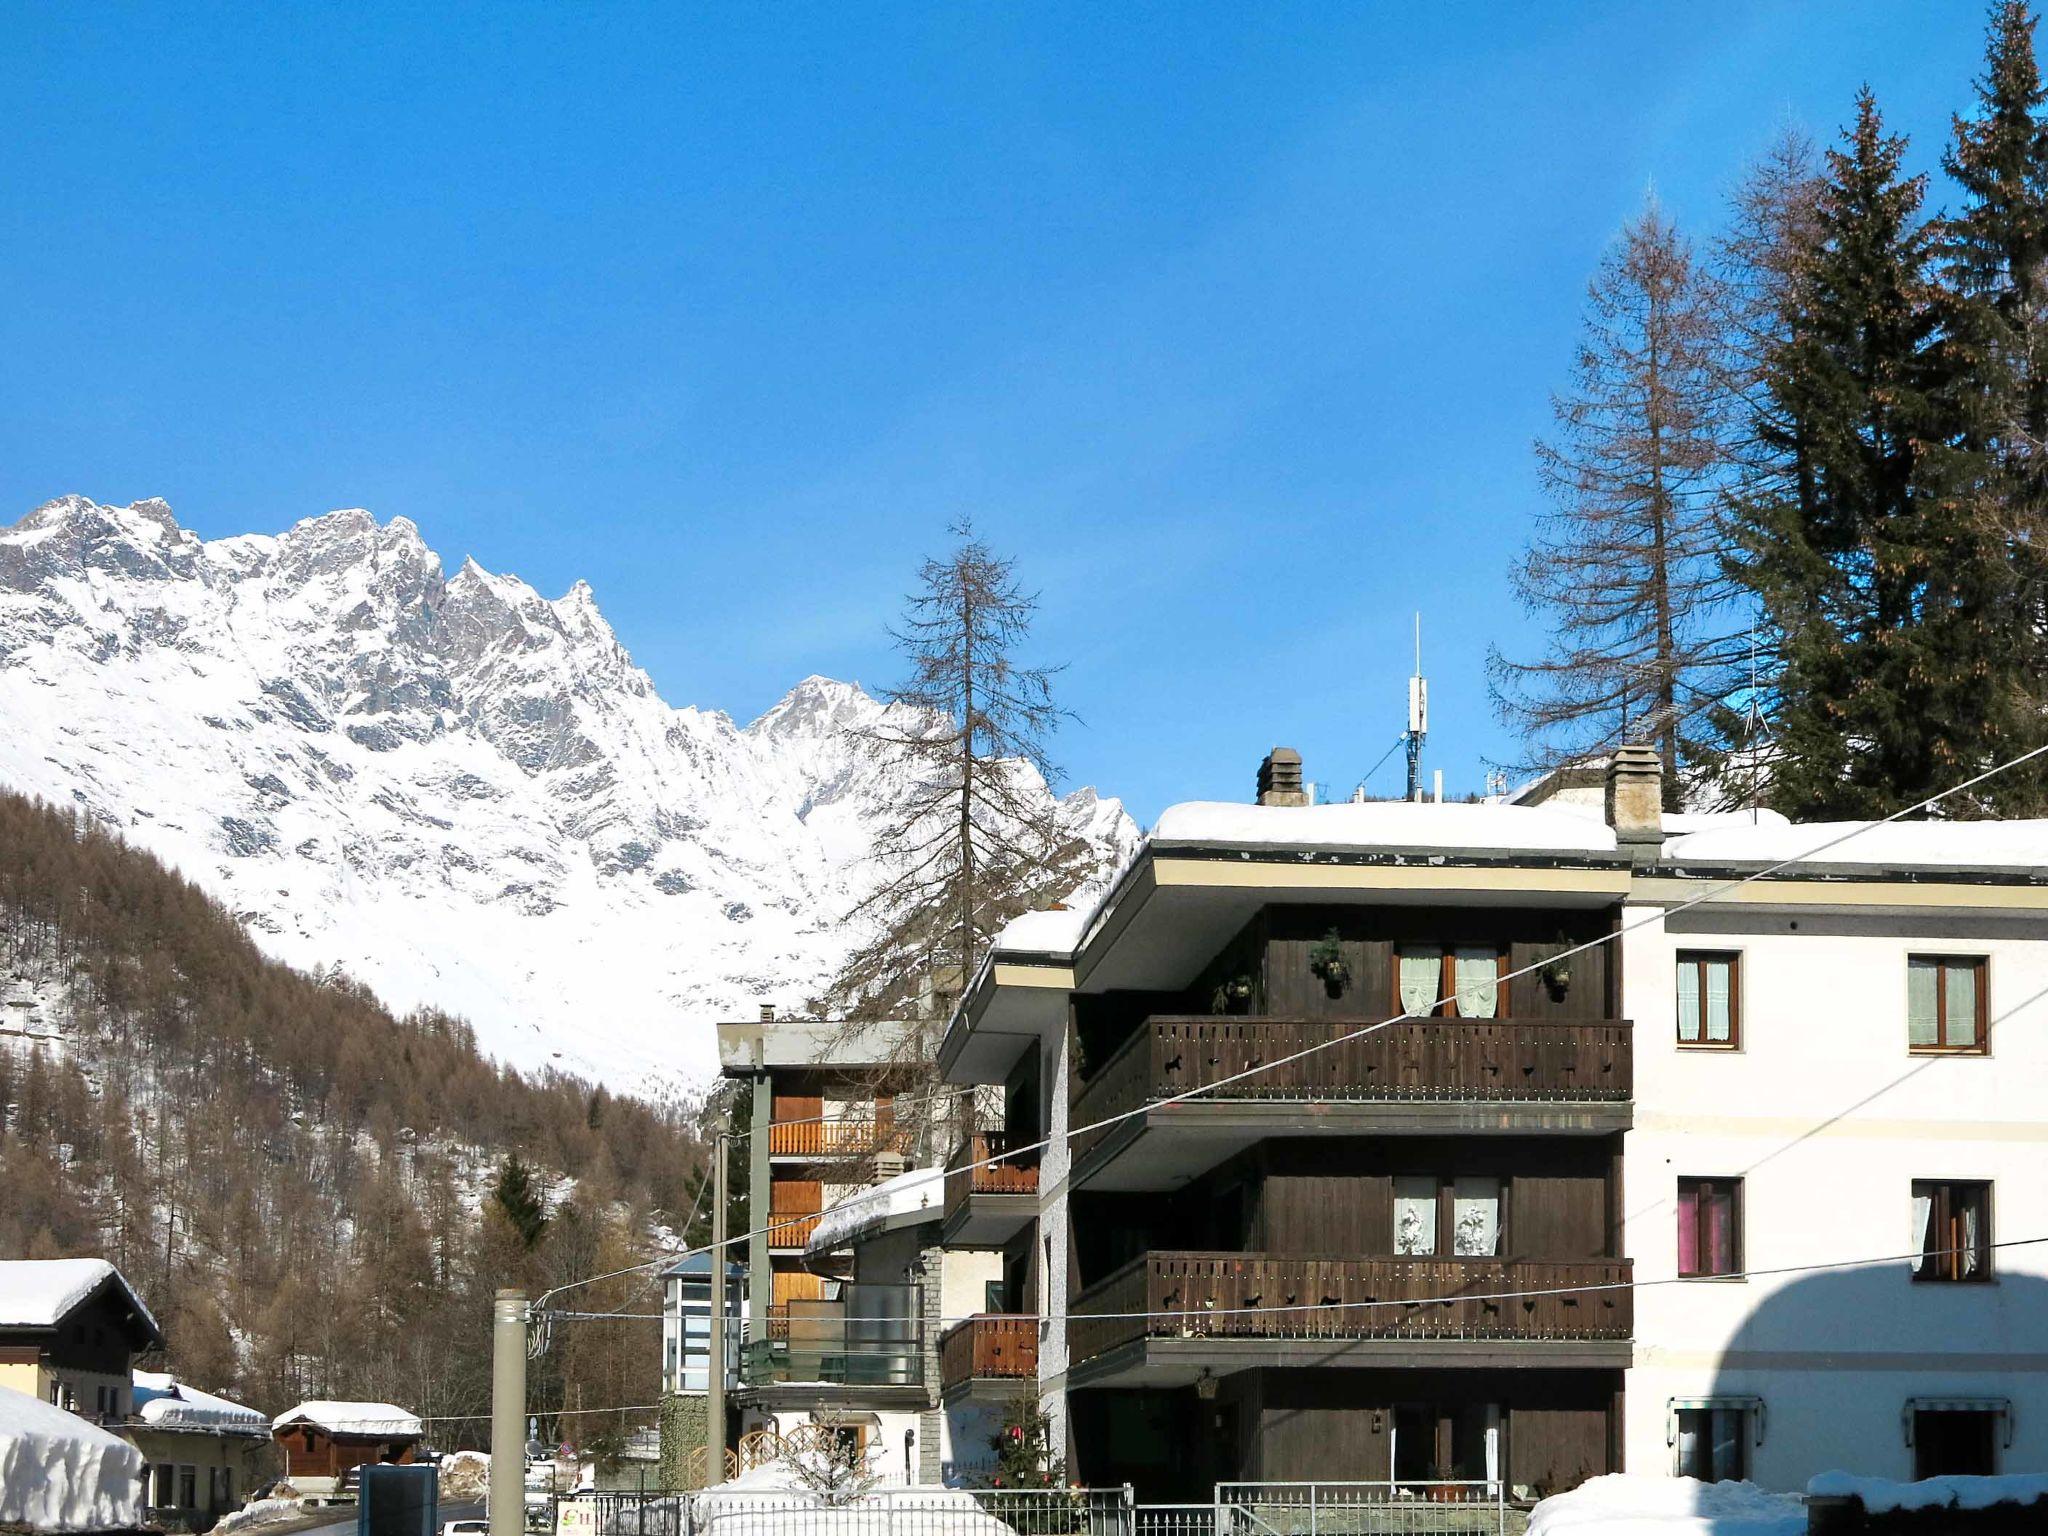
1232	323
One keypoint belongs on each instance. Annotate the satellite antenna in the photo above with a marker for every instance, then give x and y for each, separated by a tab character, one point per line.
1418	717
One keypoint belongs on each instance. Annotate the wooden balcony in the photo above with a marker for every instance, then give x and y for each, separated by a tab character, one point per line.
826	1139
791	1229
988	1205
1424	1075
1250	1309
992	1352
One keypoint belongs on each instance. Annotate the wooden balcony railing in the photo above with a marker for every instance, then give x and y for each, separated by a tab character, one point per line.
1249	1295
835	1138
791	1229
992	1346
1414	1059
963	1178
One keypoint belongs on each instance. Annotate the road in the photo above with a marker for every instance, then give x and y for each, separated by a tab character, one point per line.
344	1521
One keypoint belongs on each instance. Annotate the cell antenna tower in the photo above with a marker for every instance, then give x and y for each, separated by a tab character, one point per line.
1418	717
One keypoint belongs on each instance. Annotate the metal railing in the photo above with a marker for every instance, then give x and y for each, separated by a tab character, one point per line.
872	1336
1395	1508
910	1512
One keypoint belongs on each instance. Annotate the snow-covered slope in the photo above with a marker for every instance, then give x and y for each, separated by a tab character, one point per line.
460	792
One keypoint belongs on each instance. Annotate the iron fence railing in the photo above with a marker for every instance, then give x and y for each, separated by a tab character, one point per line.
1395	1508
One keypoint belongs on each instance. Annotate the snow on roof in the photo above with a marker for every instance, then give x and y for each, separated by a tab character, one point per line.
351	1418
1386	824
1881	1496
898	1201
60	1473
1896	844
1646	1504
1043	933
39	1293
161	1399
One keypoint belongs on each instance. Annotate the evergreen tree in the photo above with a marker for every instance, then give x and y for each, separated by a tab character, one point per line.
1873	571
1626	568
520	1200
1023	1447
1995	266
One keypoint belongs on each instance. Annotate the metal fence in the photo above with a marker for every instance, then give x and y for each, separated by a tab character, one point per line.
1433	1508
1238	1509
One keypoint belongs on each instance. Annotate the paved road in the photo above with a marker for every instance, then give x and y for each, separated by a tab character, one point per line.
344	1521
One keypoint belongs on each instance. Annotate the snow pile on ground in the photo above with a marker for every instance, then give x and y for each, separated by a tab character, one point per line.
910	1194
1634	1504
163	1400
261	1513
465	1475
1405	824
59	1473
1881	1496
352	1418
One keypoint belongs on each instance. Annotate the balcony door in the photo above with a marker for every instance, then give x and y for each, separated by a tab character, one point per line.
1447	1442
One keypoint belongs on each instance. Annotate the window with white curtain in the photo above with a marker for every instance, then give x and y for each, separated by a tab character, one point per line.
1951	1229
1945	1007
1465	977
1476	981
1475	1217
1421	974
1708	993
1415	1214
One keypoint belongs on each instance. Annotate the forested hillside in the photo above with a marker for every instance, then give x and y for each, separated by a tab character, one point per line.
307	1190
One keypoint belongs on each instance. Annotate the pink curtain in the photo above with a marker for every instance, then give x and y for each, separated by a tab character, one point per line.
1720	1239
1688	1232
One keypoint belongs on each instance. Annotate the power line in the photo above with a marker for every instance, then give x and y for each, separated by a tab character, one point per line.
1660	915
1197	1313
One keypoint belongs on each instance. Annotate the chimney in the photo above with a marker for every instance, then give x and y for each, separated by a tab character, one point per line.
1635	803
1280	778
767	1013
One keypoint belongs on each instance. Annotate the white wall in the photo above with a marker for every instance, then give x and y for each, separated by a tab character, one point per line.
1052	1228
1828	1119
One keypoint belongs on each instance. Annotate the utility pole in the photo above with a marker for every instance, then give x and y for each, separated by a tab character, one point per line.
714	1398
507	1507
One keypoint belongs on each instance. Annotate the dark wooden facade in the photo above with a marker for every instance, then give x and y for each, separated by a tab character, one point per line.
992	1348
311	1450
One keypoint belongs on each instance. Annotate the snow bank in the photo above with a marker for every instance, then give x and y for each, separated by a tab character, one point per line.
59	1473
1402	824
2015	845
465	1474
37	1293
351	1418
1635	1504
766	1502
163	1400
259	1514
916	1192
1880	1496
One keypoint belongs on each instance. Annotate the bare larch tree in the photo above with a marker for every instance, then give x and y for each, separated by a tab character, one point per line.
1625	566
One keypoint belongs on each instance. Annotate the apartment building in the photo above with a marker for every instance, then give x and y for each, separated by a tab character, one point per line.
1517	1238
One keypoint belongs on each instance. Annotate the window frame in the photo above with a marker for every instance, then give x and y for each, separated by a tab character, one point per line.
1941	1214
1711	1184
1700	958
1980	1045
1446	978
1748	1412
1444	1208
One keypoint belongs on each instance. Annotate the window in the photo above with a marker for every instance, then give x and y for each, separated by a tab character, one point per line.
188	1487
1945	1003
1709	999
1952	1229
992	1296
1955	1442
1709	1227
1711	1439
1461	1215
1466	978
166	1485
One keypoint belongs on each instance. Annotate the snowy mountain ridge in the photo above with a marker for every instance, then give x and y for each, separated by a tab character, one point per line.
463	793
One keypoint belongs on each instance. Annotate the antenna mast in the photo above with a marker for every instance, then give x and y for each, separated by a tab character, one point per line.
1418	718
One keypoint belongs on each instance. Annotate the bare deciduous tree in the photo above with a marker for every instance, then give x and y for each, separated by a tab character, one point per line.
1626	565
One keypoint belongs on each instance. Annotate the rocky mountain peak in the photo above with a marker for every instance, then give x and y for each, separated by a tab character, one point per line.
463	793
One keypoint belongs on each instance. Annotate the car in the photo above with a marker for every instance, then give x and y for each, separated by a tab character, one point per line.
466	1528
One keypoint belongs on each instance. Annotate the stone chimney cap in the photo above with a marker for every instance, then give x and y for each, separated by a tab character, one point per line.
1635	802
1280	778
767	1013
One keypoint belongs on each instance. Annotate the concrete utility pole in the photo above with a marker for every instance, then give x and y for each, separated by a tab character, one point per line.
714	1400
508	1415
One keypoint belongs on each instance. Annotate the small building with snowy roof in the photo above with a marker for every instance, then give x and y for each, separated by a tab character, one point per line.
323	1442
70	1330
204	1453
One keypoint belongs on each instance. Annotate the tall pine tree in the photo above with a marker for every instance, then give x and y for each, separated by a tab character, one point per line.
1874	573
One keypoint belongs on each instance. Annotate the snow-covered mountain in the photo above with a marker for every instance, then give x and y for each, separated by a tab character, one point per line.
461	792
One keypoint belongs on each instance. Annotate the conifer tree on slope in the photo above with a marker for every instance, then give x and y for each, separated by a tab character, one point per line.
1876	580
1626	567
